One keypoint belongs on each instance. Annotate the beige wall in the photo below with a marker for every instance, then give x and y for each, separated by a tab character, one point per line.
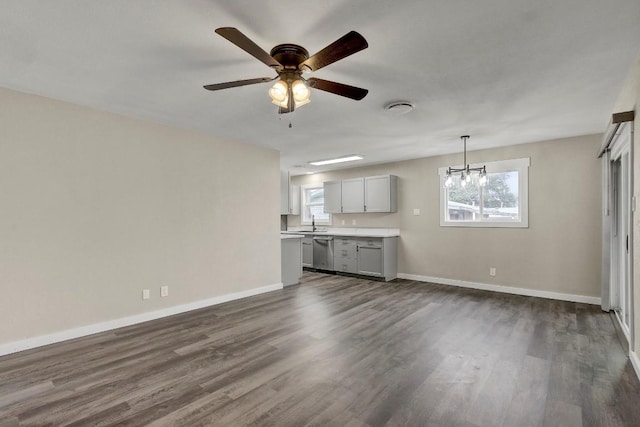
628	100
95	207
559	252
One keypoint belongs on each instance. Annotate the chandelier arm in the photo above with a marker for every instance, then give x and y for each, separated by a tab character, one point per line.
466	168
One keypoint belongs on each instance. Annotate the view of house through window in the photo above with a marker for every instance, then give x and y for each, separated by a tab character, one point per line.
313	205
498	203
497	200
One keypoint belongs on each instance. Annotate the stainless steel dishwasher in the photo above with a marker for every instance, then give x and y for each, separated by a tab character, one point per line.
323	252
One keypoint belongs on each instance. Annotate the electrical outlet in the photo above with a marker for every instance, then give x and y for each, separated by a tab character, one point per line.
492	271
164	291
343	222
416	211
146	294
353	222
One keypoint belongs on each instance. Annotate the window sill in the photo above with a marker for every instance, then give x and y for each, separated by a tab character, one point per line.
476	224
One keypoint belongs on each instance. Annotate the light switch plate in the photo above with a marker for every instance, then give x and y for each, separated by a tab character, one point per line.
416	211
146	294
164	291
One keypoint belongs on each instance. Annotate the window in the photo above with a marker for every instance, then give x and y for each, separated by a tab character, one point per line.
502	202
313	205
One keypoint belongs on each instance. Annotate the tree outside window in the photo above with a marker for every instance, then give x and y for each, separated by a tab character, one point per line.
498	203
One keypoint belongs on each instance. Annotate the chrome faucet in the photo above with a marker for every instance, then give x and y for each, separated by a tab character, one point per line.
313	223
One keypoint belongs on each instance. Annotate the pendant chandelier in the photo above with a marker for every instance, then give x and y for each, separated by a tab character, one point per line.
465	171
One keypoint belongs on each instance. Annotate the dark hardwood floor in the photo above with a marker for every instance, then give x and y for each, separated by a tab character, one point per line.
338	351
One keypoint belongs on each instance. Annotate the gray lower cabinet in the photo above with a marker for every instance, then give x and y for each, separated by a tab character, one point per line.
345	258
375	256
291	266
307	251
370	257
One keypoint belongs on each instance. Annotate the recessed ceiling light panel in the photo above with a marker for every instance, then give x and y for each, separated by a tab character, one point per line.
349	158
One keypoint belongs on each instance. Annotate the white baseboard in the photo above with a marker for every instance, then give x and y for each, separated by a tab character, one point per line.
503	289
635	362
26	344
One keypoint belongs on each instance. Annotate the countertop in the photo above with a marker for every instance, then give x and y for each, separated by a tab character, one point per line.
347	232
290	236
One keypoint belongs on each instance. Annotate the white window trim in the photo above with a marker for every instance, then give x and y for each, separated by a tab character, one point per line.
520	165
303	205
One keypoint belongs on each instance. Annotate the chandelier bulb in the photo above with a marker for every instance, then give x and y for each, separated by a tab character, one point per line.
448	182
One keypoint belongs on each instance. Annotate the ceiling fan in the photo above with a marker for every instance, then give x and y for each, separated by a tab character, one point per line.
290	61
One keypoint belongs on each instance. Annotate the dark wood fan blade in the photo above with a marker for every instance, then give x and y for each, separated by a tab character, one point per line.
352	92
243	42
346	45
237	83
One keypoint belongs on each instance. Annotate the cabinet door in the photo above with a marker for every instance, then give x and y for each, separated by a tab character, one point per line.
380	193
332	196
353	195
284	193
307	252
370	261
294	200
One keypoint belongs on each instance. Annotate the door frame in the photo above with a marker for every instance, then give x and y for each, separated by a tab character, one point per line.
622	206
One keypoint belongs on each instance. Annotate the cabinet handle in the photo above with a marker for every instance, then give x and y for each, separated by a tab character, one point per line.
365	208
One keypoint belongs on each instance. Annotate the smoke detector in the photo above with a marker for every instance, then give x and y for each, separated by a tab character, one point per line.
398	108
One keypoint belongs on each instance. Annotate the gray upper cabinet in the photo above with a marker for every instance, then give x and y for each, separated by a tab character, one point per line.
353	195
332	196
289	195
380	193
358	195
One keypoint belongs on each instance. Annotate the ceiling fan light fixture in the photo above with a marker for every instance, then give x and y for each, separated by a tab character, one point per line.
301	93
279	93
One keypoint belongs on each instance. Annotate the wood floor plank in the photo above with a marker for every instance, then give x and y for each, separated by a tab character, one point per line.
337	351
561	414
528	405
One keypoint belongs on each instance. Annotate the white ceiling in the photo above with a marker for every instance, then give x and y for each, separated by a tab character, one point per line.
505	72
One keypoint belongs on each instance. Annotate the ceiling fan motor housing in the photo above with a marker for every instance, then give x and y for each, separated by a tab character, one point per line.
290	55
